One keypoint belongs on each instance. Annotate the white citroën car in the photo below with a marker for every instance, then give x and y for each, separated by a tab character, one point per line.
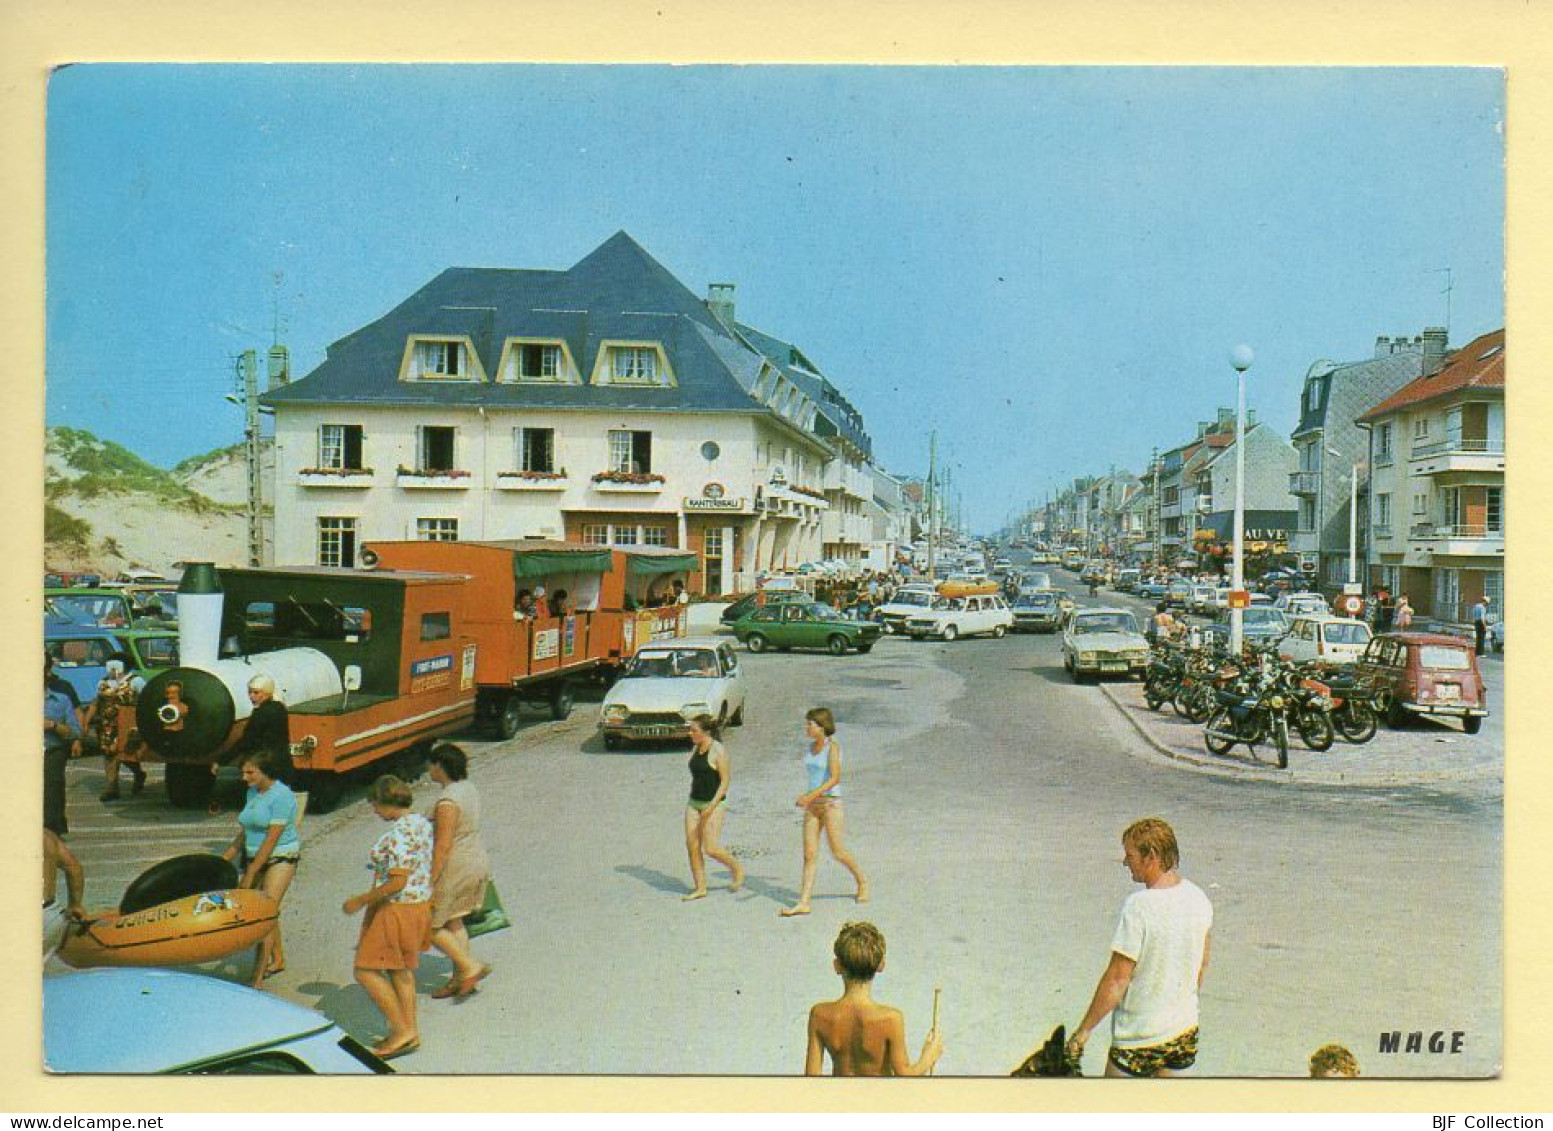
668	683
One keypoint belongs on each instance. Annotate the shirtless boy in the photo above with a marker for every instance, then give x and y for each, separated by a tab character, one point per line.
863	1037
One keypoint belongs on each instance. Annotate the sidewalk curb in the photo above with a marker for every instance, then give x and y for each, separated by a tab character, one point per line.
1214	767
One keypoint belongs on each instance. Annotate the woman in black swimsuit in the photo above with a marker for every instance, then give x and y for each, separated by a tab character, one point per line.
709	777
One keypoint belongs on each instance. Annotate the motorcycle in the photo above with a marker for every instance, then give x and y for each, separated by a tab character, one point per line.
1250	710
1308	703
1355	706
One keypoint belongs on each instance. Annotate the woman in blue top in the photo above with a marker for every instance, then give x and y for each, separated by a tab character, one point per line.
821	805
267	849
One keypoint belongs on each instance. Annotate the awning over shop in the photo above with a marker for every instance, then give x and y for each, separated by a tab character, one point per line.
542	563
1261	526
651	565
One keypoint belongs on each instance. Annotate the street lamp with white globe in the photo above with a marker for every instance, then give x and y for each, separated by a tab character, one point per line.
1240	357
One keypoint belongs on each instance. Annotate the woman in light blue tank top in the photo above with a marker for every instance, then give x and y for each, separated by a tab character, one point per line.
822	810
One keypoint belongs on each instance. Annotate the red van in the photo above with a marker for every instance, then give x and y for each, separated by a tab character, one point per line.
1427	674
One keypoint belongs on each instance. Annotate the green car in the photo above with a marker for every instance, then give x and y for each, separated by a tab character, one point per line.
804	624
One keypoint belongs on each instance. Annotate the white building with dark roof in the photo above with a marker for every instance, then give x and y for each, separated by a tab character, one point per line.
605	404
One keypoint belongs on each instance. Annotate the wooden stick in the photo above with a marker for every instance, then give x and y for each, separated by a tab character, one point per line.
936	991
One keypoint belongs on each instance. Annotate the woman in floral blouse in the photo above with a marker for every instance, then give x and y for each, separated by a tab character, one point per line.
398	923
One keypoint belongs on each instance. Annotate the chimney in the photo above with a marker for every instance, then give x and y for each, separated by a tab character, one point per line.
719	300
1436	342
1383	346
1250	419
1202	428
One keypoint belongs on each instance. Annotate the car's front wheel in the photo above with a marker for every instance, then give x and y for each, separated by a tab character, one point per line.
1472	724
951	632
998	631
756	642
837	645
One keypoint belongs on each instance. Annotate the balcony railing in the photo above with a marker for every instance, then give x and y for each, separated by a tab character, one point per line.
1204	504
1434	530
1304	482
1468	447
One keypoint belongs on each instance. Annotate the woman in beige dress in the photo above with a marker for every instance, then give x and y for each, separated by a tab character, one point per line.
460	869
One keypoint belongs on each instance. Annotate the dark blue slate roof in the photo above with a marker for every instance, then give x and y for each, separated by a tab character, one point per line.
836	412
618	291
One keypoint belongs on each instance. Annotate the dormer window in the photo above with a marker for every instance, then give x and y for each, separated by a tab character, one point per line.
441	359
541	361
632	363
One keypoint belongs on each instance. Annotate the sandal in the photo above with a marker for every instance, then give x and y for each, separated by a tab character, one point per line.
467	986
447	991
412	1045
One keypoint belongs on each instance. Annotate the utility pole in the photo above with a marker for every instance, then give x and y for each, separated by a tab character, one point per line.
1155	516
248	397
932	502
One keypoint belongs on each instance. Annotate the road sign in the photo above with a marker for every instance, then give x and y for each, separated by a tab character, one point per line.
1353	589
1350	605
1240	598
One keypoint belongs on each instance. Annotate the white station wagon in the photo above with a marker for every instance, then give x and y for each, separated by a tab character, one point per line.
953	617
1338	640
667	684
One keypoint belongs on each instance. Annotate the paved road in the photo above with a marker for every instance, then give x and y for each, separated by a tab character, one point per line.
986	795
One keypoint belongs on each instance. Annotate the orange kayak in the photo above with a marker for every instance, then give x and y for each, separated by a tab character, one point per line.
967	588
181	932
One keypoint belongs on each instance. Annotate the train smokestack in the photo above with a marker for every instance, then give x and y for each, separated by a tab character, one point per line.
199	616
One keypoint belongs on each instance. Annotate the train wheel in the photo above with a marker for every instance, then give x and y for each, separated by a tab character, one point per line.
412	760
189	787
561	701
324	792
509	717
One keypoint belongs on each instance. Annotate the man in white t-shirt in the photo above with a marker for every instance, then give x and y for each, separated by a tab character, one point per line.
1158	957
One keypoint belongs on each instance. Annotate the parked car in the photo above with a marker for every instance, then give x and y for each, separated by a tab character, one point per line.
81	652
105	608
1102	642
1152	589
1338	640
1260	624
1427	674
189	1024
805	624
751	601
1037	610
667	684
1295	604
953	617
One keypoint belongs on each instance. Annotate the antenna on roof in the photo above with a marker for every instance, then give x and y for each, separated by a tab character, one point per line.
1449	287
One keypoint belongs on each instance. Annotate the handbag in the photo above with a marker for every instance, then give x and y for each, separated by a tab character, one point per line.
492	916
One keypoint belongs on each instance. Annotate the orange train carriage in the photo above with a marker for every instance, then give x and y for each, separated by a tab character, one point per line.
612	606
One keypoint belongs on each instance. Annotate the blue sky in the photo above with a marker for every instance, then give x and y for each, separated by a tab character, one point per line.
1049	265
